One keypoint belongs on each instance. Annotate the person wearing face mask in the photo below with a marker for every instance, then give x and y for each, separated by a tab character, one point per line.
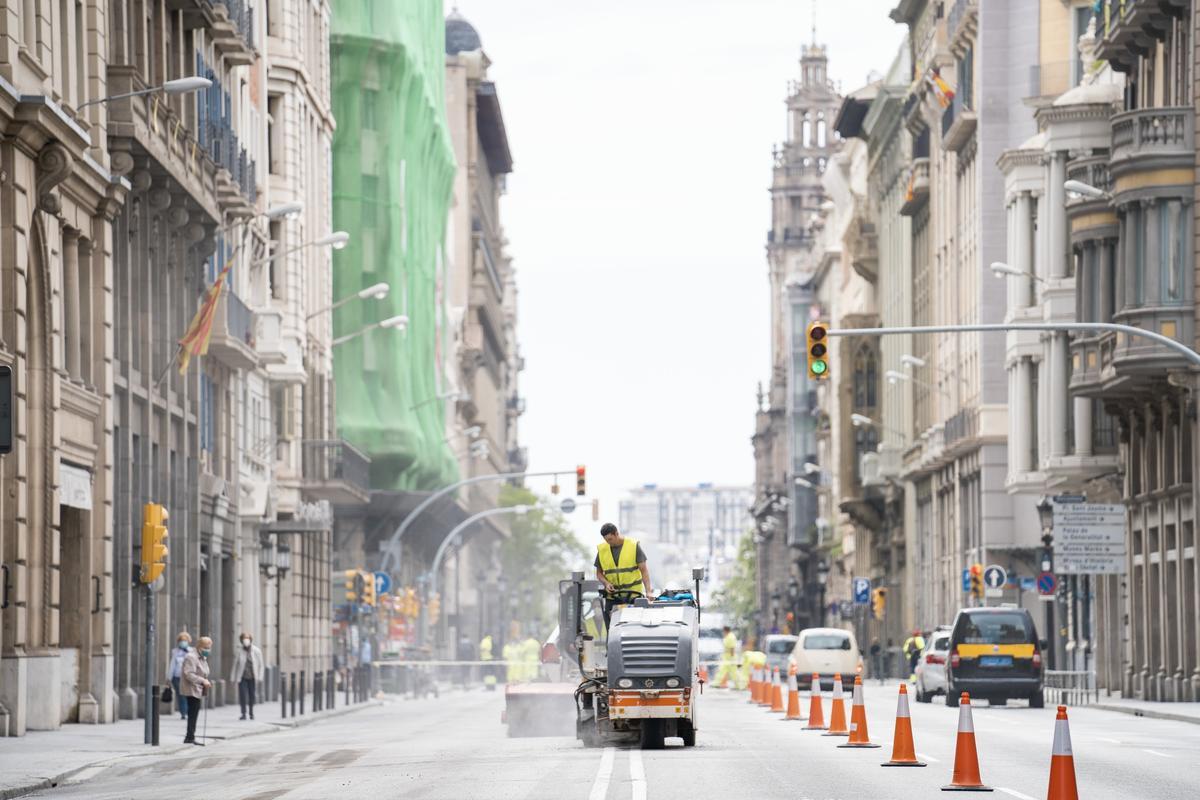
247	673
183	643
194	684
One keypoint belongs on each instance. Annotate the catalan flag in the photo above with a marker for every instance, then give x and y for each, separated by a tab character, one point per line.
195	340
941	89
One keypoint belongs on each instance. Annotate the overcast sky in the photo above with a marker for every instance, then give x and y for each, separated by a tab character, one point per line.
637	212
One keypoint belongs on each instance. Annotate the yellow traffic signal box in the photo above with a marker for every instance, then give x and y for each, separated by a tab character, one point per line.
351	585
581	480
368	588
154	542
817	351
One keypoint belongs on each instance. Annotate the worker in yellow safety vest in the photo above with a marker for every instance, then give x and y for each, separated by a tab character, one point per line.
593	623
621	567
728	659
485	654
531	658
750	660
511	653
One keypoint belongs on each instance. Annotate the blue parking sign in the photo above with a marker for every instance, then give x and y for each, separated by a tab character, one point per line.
966	580
862	591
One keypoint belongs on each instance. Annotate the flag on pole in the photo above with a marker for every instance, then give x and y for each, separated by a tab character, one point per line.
195	340
941	89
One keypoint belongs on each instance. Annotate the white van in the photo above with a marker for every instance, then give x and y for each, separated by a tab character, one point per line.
827	652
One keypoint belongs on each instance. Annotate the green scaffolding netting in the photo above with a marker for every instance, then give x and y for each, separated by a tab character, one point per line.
393	170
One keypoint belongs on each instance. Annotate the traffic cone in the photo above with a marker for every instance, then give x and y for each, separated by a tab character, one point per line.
858	719
837	709
816	716
764	690
776	693
1062	762
966	760
793	703
904	752
753	684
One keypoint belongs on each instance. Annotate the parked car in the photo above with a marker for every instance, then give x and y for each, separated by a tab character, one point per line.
931	666
779	647
994	655
826	652
710	646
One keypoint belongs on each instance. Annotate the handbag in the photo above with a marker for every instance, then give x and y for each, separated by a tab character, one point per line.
167	695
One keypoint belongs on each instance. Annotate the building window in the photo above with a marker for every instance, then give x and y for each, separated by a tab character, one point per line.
966	78
1080	17
370	109
370	201
275	155
865	373
1139	256
1173	230
208	415
1034	433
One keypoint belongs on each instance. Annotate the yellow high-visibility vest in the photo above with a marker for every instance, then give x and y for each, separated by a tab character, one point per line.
485	648
730	646
625	576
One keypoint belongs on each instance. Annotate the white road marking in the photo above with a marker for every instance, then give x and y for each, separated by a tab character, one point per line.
930	759
86	774
1155	753
1015	793
1110	741
603	776
638	774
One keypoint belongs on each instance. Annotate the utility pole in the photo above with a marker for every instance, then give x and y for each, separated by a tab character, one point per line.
148	668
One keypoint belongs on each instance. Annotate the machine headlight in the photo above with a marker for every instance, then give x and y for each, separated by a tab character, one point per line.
625	683
673	682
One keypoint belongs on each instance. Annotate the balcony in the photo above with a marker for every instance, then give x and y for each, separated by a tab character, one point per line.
269	336
958	124
1153	139
236	180
229	23
232	339
1091	363
1129	28
917	193
336	471
1092	170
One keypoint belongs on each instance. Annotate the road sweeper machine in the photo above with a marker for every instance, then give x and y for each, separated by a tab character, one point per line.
640	674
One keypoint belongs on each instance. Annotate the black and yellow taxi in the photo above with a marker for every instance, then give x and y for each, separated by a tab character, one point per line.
994	655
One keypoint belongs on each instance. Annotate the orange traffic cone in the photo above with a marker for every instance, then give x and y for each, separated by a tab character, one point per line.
837	709
1062	762
753	684
793	703
764	690
858	719
776	693
904	752
966	760
816	715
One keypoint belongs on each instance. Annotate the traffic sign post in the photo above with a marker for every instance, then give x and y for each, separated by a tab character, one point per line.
1046	584
383	583
994	578
966	580
862	591
1089	538
567	505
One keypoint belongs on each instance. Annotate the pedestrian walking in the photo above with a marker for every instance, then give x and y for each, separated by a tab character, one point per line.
247	673
194	683
183	643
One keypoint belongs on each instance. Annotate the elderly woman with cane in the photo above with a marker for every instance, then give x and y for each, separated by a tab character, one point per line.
194	684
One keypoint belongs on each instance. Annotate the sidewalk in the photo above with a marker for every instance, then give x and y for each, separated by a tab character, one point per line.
1179	712
45	758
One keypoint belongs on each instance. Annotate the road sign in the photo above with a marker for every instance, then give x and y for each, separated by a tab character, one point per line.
1027	584
1089	538
862	591
383	583
1046	584
567	505
966	580
994	577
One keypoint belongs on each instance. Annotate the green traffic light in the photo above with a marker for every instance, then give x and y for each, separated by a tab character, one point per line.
818	367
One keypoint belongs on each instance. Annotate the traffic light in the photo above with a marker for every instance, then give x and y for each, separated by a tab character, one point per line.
818	350
581	480
977	581
879	602
351	585
154	542
595	511
435	606
368	588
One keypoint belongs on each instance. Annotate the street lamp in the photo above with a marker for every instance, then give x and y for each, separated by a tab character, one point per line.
807	484
399	322
894	377
1086	190
284	211
178	86
911	361
376	291
453	394
811	469
822	579
275	562
863	421
337	240
1000	270
471	433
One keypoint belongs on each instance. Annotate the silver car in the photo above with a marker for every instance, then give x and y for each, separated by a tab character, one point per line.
931	666
779	648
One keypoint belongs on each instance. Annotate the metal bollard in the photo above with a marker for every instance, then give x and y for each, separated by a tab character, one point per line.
154	704
346	684
316	692
302	674
292	691
331	689
282	694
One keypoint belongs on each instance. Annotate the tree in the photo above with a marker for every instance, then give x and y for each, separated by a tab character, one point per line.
541	551
739	596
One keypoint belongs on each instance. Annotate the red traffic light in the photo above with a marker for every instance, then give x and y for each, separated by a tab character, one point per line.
580	480
977	569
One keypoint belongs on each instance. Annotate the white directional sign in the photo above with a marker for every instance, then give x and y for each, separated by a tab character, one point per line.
1089	539
994	577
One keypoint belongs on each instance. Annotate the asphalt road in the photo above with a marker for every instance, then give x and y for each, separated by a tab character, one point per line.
456	748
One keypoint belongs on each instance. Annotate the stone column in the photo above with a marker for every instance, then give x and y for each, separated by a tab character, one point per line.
1023	411
1105	309
1057	385
1057	217
71	333
1024	250
1083	426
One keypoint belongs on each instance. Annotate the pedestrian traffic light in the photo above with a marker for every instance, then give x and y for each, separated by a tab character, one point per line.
977	581
818	351
154	542
368	588
435	606
879	602
581	480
